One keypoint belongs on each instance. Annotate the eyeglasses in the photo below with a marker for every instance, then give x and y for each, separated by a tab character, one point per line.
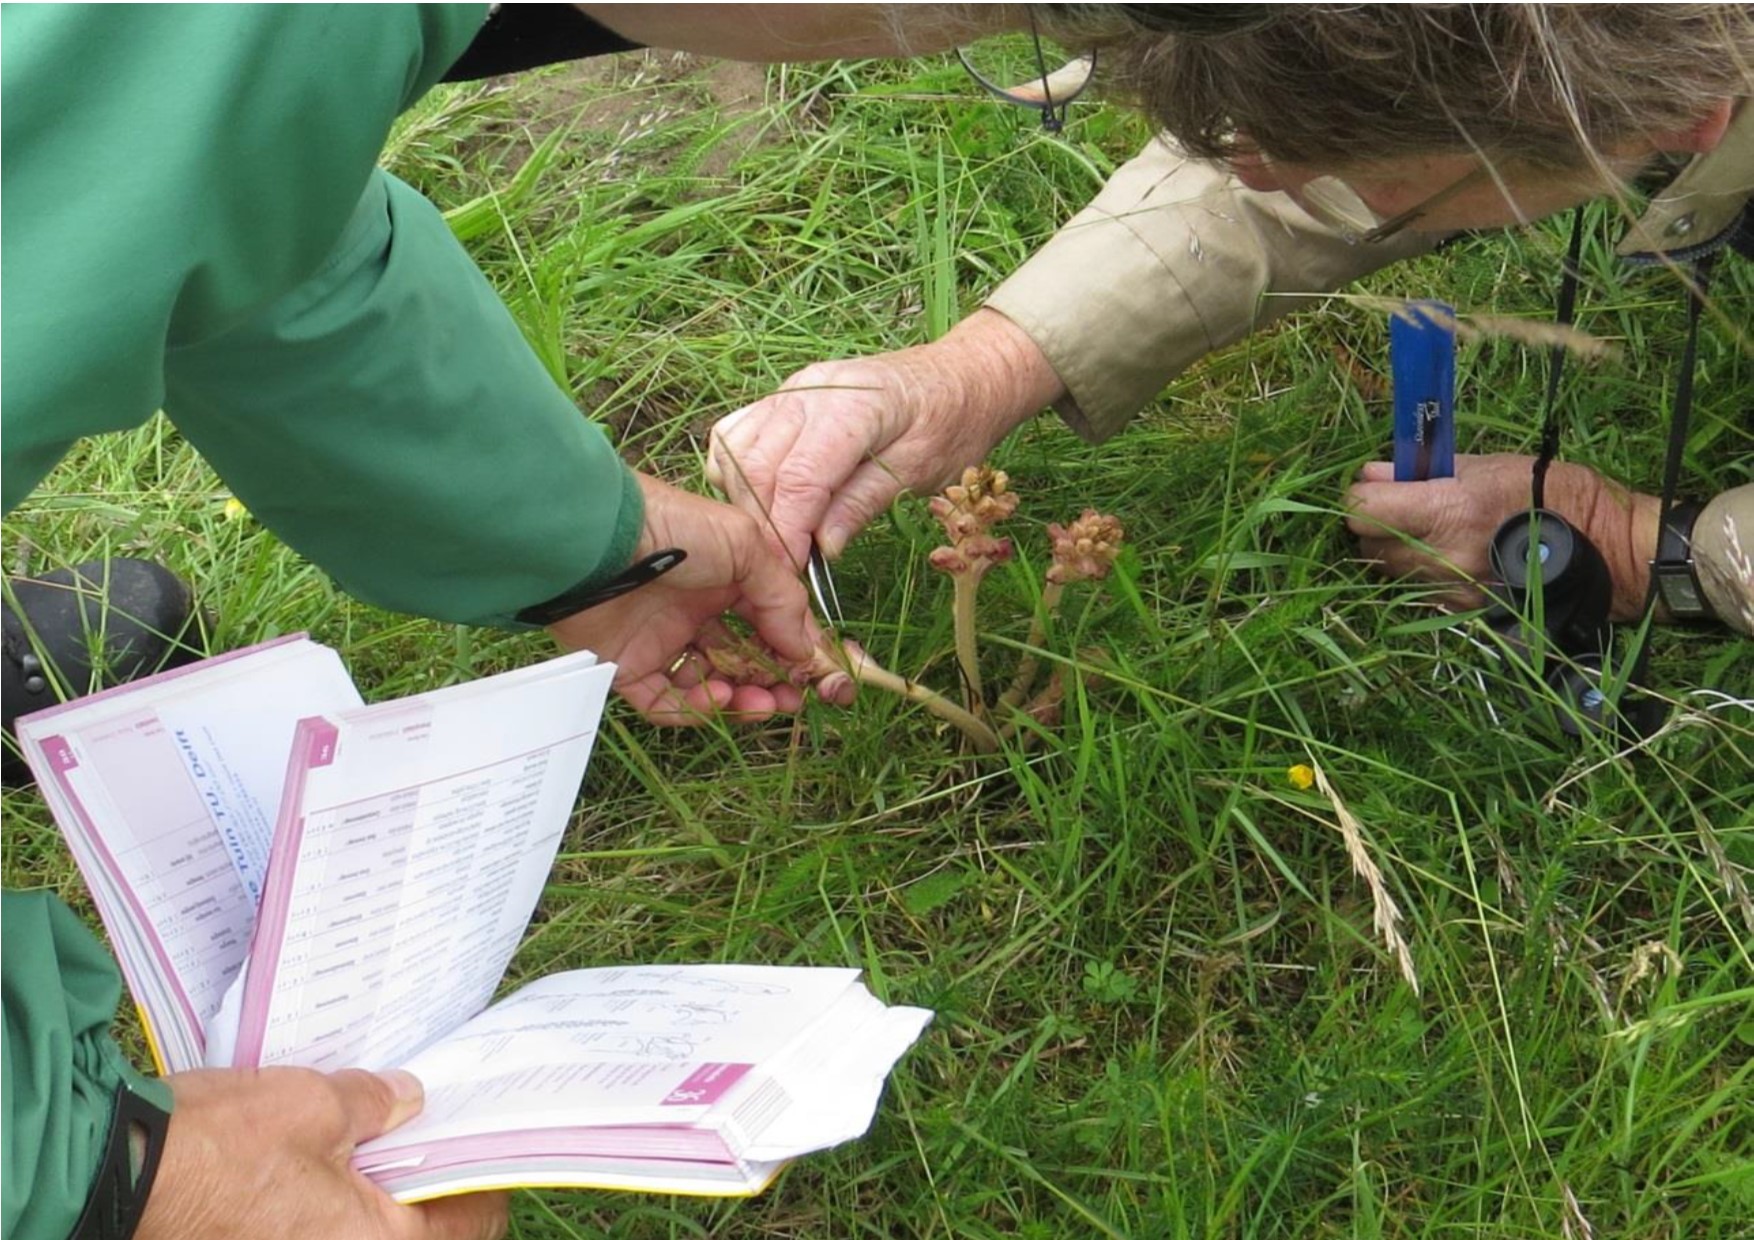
1337	204
1050	93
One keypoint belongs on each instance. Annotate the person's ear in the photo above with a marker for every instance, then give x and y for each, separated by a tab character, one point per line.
1701	136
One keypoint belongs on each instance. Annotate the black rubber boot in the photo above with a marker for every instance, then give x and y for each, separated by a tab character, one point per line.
77	630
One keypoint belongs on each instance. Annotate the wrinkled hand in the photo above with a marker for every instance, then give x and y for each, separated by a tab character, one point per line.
1455	519
265	1155
658	634
840	440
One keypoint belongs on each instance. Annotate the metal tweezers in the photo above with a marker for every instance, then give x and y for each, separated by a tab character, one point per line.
822	588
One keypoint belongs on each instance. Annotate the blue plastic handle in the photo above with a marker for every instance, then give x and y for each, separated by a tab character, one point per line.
1422	358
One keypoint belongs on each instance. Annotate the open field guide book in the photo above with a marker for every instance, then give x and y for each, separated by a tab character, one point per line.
290	877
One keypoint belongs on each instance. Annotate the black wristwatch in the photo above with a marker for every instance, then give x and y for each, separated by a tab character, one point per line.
138	1128
577	599
1676	580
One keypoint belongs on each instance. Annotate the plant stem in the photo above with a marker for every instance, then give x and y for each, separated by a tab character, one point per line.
967	653
867	671
1028	665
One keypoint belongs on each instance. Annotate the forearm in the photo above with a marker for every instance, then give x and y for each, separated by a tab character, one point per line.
1172	260
800	32
1625	527
994	371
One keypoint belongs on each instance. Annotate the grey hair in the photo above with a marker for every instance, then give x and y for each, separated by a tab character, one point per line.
1550	85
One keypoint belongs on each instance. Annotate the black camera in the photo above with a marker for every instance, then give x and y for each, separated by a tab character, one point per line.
1555	592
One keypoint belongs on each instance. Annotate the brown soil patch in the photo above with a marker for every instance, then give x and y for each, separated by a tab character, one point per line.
633	94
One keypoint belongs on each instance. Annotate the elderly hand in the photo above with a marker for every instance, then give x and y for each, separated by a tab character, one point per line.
1455	519
840	440
658	634
265	1154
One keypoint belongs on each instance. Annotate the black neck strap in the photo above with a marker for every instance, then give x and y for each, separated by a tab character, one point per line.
1564	314
1697	276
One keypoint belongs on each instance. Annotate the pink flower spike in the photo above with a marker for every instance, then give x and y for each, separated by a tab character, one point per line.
1085	550
971	508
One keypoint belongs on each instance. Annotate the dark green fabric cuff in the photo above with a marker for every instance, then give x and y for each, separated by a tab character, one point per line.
61	1067
630	519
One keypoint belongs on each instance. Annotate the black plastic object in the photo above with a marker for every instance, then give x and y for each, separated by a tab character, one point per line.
76	630
1555	595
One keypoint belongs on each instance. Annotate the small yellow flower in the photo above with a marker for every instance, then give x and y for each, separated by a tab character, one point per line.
1302	777
235	510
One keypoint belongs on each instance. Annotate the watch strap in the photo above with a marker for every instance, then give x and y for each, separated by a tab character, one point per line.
1672	571
580	597
119	1189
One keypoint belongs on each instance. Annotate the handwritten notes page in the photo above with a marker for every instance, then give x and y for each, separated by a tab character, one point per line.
165	823
411	848
673	1077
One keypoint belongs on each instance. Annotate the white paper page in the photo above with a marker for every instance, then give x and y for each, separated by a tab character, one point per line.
638	1045
404	878
831	1082
158	865
235	751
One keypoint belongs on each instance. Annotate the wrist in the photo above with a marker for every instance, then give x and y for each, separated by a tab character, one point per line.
999	369
1679	594
1631	567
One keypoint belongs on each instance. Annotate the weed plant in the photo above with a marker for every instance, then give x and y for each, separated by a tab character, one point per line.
1162	1007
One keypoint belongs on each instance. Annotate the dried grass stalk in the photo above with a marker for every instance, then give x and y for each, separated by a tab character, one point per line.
1531	332
1387	914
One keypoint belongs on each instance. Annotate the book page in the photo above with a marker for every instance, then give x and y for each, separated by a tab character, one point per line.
411	848
165	870
636	1045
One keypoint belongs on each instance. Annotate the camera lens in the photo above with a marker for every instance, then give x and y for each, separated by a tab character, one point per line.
1575	586
1536	544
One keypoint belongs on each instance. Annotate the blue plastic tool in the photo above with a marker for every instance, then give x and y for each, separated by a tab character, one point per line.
1422	358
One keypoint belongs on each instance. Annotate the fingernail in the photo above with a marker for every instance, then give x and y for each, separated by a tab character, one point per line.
834	540
410	1094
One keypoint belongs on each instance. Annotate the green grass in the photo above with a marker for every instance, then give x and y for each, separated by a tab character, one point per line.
1162	1009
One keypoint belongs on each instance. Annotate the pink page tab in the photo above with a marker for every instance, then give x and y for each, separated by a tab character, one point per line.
314	742
59	753
706	1084
324	737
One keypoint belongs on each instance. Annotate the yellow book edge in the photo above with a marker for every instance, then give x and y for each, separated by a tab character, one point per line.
152	1042
754	1191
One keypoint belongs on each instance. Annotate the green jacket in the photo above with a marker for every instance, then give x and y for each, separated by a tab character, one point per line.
194	221
59	1064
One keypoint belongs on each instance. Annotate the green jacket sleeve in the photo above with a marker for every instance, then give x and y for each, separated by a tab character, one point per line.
388	419
61	1067
194	221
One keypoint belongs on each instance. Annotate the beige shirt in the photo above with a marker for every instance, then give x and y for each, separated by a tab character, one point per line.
1176	258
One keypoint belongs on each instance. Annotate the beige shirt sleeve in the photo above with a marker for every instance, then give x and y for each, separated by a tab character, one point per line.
1723	556
1170	262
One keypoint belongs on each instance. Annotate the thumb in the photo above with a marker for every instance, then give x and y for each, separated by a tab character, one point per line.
774	602
472	1216
377	1102
717	475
